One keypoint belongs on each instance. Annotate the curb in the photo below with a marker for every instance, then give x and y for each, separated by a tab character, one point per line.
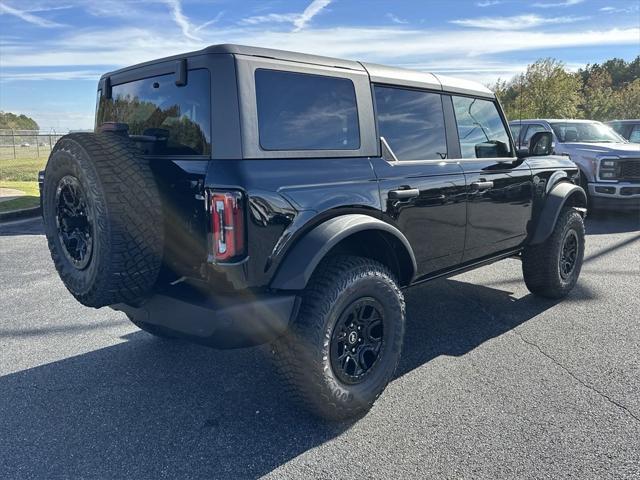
18	214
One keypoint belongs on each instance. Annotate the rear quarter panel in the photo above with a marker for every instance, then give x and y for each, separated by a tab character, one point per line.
288	197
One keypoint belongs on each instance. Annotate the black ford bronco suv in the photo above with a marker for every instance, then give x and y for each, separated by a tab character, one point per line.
237	195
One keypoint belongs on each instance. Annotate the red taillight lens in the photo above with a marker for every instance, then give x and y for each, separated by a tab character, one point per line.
227	221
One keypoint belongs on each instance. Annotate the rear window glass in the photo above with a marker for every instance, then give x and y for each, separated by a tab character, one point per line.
298	111
412	123
162	118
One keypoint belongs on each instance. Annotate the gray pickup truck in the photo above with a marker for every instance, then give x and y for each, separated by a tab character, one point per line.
609	164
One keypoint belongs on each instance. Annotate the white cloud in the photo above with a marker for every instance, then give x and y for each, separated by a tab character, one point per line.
216	19
313	9
564	3
298	20
383	45
629	9
27	16
396	19
50	8
270	18
488	3
518	22
61	75
181	20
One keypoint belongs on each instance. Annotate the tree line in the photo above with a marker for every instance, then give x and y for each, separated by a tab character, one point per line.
11	121
606	91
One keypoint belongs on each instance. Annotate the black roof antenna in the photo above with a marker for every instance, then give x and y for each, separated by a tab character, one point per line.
520	80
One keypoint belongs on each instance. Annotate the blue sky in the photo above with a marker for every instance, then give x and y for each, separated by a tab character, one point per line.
53	51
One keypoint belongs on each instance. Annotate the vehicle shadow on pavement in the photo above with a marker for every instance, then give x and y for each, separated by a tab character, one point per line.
605	222
31	226
451	317
151	408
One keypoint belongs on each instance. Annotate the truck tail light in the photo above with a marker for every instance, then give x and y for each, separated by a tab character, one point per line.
227	222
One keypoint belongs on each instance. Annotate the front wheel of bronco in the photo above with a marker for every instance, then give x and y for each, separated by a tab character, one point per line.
551	269
344	346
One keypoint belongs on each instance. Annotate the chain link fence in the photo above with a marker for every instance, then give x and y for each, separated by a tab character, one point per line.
25	152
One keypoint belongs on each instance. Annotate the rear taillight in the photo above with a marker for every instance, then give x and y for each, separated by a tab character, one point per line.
227	222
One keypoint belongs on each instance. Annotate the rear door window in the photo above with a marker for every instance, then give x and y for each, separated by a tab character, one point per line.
412	123
162	118
480	128
299	111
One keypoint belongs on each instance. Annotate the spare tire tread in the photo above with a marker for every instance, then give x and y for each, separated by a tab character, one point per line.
127	216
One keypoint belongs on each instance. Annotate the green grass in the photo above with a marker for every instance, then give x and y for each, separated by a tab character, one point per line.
21	169
29	200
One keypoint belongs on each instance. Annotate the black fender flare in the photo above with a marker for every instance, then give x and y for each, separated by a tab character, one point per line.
555	200
303	258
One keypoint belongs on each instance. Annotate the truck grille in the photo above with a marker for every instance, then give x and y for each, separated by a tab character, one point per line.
629	170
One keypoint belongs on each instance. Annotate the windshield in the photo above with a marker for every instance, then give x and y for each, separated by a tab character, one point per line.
583	132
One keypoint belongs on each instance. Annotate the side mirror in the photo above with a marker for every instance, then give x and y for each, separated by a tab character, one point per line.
541	144
492	149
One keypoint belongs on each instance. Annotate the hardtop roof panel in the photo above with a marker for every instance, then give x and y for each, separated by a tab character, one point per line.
378	73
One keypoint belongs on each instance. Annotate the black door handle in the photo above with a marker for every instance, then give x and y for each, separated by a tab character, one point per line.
482	185
404	194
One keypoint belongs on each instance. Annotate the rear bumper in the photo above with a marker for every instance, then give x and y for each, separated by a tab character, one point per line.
221	322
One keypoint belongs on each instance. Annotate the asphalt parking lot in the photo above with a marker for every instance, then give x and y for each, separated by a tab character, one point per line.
494	383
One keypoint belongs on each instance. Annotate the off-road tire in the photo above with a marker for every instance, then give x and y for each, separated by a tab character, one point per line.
303	354
541	263
124	207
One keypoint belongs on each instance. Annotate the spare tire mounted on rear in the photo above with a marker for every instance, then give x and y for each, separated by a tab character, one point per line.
103	218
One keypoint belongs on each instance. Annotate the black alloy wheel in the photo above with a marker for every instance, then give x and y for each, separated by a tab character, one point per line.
73	221
568	254
357	340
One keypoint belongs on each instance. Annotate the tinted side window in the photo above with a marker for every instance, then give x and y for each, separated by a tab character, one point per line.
515	132
163	119
531	130
634	136
480	128
298	111
412	123
618	128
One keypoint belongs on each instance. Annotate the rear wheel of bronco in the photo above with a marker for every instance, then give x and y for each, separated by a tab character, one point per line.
102	218
551	269
343	348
